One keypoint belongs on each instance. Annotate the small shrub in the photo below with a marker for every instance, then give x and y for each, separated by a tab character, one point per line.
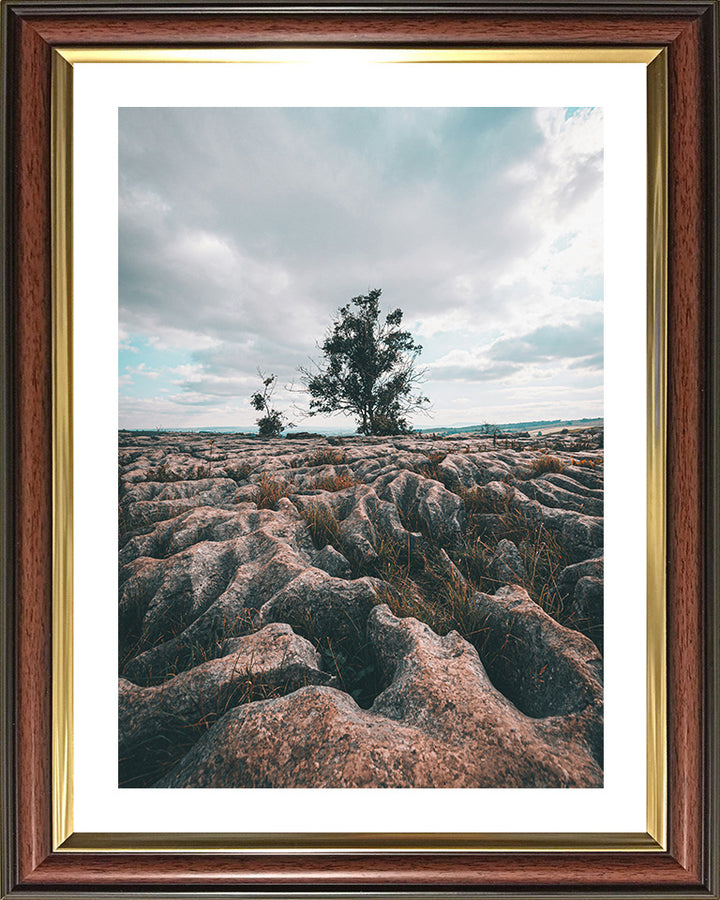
273	422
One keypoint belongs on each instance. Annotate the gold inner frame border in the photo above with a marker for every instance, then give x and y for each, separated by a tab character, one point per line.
65	839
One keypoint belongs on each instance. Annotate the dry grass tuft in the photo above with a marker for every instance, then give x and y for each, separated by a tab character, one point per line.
429	467
325	457
480	500
546	463
163	475
242	470
587	463
490	519
270	491
335	482
324	527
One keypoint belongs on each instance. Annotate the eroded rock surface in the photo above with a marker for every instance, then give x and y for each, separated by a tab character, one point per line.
256	648
440	723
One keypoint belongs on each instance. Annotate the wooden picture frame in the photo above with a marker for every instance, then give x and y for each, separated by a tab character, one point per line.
687	31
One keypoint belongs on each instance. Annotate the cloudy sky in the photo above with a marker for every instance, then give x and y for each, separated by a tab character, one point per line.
243	230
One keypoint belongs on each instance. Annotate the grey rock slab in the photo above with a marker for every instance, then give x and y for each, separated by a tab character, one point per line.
319	606
273	660
545	668
587	608
506	563
333	562
563	497
570	575
440	511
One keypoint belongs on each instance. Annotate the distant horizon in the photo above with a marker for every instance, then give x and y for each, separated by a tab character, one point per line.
330	432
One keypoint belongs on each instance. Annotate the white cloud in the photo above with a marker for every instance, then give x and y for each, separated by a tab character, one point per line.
242	232
142	369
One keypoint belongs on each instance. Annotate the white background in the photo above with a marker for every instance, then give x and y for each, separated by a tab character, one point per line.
345	80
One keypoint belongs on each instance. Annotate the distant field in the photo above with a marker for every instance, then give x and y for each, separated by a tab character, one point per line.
544	426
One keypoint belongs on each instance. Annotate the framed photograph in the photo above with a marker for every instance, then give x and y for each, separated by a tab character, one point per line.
383	314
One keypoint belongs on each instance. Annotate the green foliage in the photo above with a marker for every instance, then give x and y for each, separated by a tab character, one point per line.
369	369
274	422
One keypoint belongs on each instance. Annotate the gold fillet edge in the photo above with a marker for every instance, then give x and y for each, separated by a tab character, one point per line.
657	300
63	836
62	452
357	842
75	55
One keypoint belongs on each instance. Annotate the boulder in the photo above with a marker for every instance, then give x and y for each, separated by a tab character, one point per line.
587	608
319	606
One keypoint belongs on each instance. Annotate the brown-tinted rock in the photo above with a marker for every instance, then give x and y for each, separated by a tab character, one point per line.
320	606
202	567
440	723
151	719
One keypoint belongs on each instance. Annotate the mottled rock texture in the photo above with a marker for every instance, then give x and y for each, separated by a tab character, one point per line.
360	612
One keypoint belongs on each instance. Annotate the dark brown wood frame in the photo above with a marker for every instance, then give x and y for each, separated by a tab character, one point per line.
689	31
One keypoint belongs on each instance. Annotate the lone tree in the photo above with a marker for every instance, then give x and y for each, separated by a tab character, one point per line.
369	369
273	422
